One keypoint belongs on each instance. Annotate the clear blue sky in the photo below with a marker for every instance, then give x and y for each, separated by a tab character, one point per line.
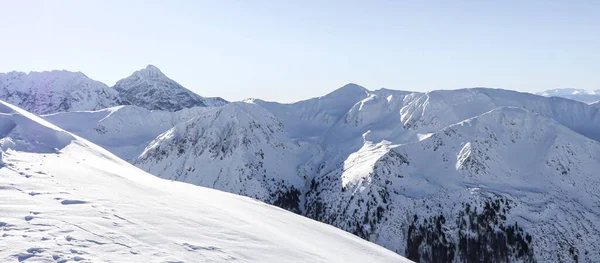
292	50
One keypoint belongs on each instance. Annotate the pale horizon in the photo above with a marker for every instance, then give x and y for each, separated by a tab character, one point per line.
325	90
295	51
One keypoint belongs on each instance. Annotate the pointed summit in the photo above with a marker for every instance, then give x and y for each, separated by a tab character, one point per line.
350	92
152	68
150	71
149	88
350	88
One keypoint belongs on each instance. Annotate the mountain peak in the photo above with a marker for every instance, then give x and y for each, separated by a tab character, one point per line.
151	67
349	89
353	86
149	88
150	71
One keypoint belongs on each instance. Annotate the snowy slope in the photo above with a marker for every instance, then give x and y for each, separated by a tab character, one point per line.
370	161
377	123
149	88
573	94
239	148
403	117
65	199
386	112
310	119
55	91
437	109
509	179
123	130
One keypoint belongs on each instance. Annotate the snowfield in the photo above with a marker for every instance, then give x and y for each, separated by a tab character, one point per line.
65	199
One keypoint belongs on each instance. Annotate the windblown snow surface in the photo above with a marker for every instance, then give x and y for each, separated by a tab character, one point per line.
65	199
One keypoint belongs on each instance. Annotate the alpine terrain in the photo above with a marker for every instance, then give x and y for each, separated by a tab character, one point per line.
63	91
574	94
470	175
55	91
64	199
241	131
149	88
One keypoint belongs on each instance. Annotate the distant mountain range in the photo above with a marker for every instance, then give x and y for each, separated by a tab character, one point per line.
469	175
574	94
62	91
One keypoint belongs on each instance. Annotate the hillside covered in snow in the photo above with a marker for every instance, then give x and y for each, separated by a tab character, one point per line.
437	176
123	130
64	199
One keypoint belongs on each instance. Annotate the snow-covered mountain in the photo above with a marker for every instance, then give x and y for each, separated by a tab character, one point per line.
438	109
65	199
311	118
63	91
149	88
508	179
573	94
123	130
55	91
350	190
240	148
436	176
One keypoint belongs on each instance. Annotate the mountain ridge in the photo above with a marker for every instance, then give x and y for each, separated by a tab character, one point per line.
361	142
52	91
586	96
79	202
151	89
385	164
55	91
